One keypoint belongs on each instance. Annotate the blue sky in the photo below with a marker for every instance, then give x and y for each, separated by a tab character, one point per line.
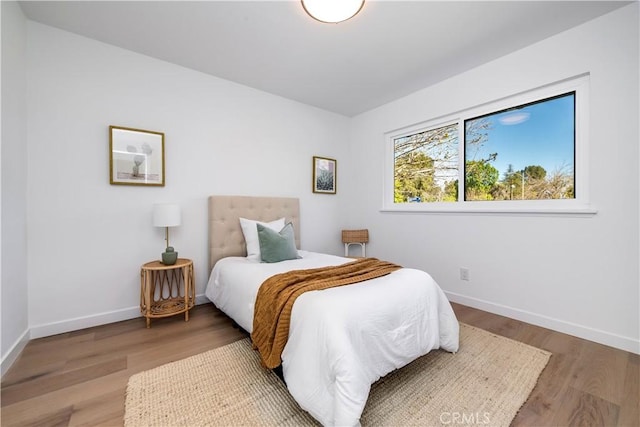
539	134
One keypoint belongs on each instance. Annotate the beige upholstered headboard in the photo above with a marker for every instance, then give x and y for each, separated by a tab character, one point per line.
225	234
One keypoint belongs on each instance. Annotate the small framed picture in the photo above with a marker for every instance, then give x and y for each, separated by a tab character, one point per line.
136	157
324	175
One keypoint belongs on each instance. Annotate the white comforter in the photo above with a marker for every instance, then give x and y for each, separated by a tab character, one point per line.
342	340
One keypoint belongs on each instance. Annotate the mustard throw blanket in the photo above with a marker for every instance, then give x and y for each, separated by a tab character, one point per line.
277	294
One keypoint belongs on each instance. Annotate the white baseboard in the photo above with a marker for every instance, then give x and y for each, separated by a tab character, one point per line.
14	352
69	325
75	324
78	323
580	331
602	337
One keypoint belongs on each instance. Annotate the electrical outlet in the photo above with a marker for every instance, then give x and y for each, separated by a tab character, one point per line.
464	274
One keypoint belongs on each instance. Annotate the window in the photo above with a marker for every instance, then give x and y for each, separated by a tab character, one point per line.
426	165
525	153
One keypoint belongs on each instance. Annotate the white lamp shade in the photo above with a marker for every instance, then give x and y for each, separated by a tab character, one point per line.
166	215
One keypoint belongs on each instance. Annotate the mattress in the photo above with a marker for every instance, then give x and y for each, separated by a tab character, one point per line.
342	340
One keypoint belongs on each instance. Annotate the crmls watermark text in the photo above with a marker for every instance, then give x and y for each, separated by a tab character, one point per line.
465	418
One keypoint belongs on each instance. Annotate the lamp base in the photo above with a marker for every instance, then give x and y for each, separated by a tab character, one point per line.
169	257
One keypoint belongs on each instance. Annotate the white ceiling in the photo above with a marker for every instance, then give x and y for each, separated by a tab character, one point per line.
389	50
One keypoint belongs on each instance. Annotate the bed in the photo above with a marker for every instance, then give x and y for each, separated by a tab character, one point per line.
340	340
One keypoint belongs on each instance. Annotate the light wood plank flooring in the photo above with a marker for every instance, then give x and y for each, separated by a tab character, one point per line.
79	378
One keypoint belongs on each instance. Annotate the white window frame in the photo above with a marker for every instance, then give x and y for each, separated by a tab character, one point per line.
579	205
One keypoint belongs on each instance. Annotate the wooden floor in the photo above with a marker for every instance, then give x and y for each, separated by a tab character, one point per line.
79	378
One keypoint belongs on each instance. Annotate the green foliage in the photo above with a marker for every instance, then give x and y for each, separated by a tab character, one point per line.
533	183
535	172
414	178
480	178
451	191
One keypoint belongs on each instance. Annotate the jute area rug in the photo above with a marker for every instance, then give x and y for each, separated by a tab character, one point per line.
485	383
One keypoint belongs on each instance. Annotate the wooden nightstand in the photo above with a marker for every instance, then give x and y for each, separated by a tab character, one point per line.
160	285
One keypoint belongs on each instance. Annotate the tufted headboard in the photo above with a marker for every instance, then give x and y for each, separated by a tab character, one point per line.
225	234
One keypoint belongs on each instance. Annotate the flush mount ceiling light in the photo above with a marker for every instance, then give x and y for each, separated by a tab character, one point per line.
332	11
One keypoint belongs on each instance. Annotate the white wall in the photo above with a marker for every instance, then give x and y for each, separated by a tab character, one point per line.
87	239
14	184
577	275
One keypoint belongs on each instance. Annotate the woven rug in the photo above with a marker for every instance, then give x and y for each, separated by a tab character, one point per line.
486	383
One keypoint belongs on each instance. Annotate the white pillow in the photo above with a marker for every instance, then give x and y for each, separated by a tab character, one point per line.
250	231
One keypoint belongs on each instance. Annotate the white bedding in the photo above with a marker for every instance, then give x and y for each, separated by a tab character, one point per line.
342	340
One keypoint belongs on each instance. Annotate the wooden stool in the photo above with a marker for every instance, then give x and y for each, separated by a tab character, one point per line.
355	237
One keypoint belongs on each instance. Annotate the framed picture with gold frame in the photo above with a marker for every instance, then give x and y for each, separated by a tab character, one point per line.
136	157
324	175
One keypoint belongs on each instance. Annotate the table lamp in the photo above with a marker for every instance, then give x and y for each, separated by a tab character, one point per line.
167	215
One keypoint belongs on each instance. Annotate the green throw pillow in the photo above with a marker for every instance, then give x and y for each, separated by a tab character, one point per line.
276	247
